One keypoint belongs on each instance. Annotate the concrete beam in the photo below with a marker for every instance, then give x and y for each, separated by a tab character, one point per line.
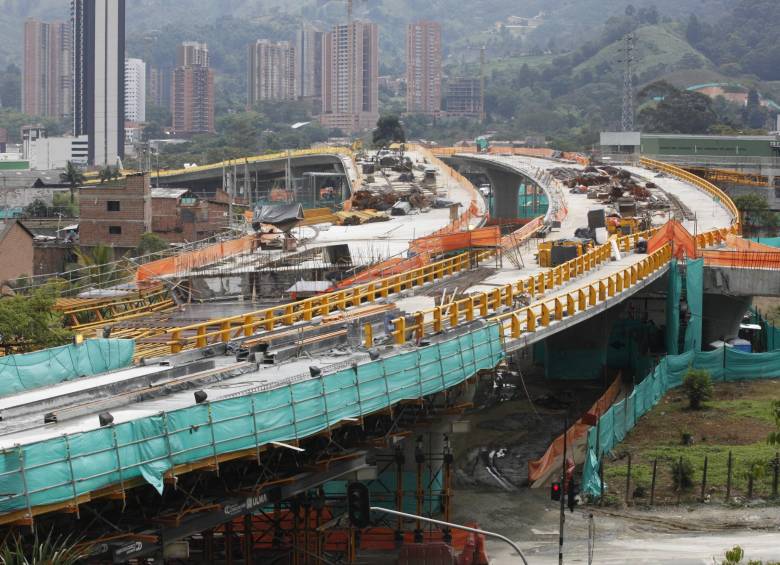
741	281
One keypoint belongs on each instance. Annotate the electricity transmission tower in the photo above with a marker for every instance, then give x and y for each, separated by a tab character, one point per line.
627	58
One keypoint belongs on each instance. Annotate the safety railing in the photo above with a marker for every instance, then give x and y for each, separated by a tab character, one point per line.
546	312
89	316
484	304
717	194
742	259
306	310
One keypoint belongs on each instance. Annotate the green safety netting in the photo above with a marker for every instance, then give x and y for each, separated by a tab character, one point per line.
27	371
694	289
769	337
724	365
673	309
70	465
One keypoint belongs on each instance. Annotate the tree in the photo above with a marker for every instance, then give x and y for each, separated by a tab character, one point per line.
697	386
63	204
151	243
388	130
73	177
755	211
36	209
30	322
680	111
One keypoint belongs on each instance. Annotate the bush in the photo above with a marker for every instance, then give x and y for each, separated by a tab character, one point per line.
697	386
682	474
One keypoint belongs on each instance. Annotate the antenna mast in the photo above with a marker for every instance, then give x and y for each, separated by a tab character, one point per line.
482	85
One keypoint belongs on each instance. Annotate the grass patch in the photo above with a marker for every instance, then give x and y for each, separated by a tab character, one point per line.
737	420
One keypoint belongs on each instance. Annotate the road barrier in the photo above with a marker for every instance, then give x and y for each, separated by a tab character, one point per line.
483	304
717	194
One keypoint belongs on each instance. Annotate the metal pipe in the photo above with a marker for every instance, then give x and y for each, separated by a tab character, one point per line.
455	526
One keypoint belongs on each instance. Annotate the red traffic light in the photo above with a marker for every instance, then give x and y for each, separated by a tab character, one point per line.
555	491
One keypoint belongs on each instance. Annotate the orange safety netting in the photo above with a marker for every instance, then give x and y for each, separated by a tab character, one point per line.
743	259
389	267
673	232
195	259
741	244
482	237
539	471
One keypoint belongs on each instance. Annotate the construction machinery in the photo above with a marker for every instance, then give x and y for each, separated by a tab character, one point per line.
625	226
554	253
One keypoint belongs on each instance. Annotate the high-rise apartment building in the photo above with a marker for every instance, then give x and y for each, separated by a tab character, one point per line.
192	53
423	68
464	97
270	71
350	83
99	77
158	87
135	91
47	69
309	42
192	90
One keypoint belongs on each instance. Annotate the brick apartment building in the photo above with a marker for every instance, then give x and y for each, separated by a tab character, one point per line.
116	213
180	215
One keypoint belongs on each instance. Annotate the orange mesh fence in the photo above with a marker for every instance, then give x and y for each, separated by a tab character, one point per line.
742	259
741	244
195	259
673	231
387	268
483	237
539	471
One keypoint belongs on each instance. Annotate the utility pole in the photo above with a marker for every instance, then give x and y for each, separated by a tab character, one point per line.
564	491
482	85
627	54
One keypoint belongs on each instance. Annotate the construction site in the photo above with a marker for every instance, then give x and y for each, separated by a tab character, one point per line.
219	397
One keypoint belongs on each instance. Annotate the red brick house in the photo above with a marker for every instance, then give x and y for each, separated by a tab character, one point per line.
116	213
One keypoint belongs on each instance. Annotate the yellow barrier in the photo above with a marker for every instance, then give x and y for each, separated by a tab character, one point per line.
248	160
482	304
321	305
707	186
544	313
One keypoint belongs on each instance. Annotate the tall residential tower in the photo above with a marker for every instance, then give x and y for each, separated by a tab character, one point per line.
423	68
350	83
99	77
47	69
308	64
270	71
192	90
135	91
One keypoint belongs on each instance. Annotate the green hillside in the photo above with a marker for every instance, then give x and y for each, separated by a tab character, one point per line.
658	50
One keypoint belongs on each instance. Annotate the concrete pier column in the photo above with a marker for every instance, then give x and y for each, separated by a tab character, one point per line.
505	192
722	316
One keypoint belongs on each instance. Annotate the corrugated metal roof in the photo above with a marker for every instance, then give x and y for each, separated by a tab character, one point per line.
169	192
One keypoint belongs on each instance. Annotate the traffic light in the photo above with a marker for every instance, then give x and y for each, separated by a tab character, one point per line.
574	490
555	491
358	505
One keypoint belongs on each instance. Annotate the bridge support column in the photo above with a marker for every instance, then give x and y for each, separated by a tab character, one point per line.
722	316
505	192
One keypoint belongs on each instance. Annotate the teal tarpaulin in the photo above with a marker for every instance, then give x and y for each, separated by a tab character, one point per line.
68	466
28	371
673	310
694	288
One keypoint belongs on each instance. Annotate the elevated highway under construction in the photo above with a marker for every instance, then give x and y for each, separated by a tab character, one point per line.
233	435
